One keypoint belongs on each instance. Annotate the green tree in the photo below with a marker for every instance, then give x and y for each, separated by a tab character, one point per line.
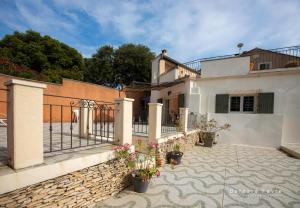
125	64
99	68
133	63
43	54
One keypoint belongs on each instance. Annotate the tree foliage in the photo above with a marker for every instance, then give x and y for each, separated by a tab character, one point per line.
47	59
99	68
125	64
43	54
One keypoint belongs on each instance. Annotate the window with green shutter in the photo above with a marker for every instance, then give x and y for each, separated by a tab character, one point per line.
265	102
181	101
222	103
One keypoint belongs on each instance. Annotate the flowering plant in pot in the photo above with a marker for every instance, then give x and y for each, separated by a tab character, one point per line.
208	130
174	155
143	164
122	152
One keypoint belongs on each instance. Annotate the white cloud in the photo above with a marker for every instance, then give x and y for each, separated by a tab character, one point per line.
39	15
188	29
193	28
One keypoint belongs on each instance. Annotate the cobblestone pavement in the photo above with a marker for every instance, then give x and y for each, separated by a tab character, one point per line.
222	176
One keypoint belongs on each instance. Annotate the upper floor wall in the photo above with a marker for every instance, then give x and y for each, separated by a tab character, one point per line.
165	69
225	67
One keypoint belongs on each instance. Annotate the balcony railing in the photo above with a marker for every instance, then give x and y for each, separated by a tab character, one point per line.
275	58
260	59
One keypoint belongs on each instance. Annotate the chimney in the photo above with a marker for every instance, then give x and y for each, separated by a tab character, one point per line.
164	52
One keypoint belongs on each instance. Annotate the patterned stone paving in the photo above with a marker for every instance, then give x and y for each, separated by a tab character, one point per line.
223	176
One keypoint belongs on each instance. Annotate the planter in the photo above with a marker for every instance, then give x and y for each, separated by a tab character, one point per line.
139	185
207	138
176	156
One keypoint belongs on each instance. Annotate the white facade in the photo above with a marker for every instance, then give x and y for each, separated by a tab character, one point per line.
232	76
286	88
155	70
225	67
169	76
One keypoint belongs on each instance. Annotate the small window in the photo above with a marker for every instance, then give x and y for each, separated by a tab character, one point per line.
242	103
235	103
264	66
248	104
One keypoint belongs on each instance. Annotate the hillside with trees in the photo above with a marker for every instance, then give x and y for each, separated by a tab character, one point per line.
33	56
41	57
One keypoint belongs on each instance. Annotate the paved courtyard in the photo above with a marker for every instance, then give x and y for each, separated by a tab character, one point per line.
222	176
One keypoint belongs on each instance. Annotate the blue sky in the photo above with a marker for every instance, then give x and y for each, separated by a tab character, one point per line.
189	29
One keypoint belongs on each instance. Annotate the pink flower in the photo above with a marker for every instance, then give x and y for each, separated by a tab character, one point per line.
157	173
153	145
116	148
126	146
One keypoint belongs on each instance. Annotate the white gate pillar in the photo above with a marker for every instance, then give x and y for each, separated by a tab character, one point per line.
155	111
25	123
183	118
123	121
86	118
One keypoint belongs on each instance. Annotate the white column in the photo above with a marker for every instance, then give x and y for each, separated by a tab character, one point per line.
183	118
123	121
154	130
25	123
86	118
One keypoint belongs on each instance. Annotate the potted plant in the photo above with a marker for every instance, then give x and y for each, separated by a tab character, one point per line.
174	156
142	162
208	130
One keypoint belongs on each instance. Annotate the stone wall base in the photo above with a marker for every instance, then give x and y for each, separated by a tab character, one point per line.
78	189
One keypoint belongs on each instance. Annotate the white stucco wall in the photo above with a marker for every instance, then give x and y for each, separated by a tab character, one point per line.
225	67
175	91
154	70
155	94
262	130
286	88
169	76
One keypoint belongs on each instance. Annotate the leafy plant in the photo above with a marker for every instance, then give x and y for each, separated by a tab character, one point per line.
176	147
211	125
142	162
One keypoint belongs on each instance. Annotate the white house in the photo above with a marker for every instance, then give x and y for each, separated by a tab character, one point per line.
257	92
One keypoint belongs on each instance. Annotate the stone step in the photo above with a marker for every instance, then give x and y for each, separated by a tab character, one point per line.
293	150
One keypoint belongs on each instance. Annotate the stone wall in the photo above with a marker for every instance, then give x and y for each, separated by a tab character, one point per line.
78	189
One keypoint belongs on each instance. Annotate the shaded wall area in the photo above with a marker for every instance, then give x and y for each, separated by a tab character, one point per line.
64	99
140	104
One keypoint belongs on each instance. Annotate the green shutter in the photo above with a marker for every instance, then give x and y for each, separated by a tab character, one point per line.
159	100
181	101
265	103
222	103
